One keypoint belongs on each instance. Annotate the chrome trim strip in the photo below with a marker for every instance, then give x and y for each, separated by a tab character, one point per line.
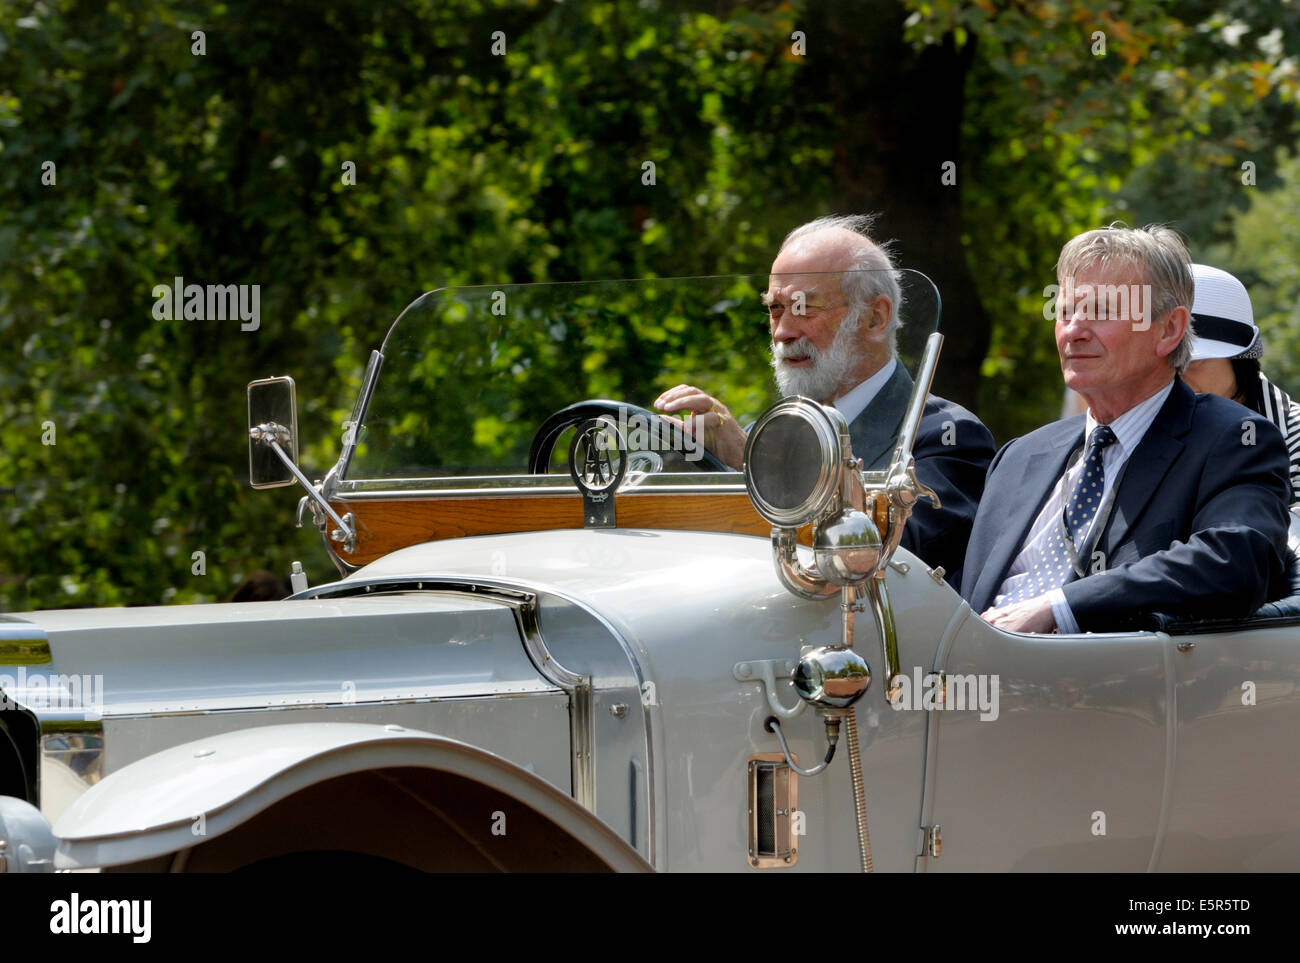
524	605
581	739
250	709
1171	750
72	722
490	588
76	746
538	653
23	643
653	836
479	486
507	589
932	721
68	722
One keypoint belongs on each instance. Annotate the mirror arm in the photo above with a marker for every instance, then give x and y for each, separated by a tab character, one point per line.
269	434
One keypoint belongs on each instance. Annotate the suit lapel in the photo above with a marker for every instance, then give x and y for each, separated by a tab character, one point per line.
874	432
1040	471
1149	463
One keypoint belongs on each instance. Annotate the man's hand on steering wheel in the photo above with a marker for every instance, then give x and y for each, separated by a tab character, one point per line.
711	422
677	452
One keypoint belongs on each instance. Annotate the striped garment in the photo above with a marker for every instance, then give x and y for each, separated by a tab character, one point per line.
1285	413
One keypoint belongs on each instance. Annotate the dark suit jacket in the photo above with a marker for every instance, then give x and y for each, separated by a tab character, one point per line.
1199	521
952	452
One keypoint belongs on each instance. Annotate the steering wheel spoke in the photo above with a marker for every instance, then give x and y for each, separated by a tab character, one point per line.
673	448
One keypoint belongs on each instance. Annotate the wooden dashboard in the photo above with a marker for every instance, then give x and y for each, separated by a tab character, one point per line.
387	524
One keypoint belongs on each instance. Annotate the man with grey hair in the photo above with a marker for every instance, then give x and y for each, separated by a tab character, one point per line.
833	307
1155	499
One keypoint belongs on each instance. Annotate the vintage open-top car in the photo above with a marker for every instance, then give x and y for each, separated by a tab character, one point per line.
566	636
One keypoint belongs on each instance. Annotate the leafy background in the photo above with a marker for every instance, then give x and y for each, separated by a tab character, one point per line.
476	168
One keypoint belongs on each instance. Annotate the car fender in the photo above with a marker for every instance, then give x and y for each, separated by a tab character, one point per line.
194	792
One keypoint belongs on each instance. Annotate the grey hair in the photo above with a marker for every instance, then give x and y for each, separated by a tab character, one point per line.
873	271
1161	256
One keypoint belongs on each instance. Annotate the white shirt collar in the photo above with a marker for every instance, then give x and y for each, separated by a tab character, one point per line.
1131	426
855	402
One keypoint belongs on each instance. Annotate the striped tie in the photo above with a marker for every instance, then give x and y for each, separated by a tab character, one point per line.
1057	564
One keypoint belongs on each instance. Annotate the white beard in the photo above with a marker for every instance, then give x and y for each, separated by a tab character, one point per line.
822	380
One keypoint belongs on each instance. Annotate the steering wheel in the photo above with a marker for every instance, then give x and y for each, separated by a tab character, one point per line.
673	449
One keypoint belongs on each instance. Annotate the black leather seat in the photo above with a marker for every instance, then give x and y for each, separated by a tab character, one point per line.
1284	611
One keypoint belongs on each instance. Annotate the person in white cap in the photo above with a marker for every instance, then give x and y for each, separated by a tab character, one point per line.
1225	358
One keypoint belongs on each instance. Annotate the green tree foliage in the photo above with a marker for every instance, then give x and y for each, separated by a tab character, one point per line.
474	164
228	167
1078	114
1264	252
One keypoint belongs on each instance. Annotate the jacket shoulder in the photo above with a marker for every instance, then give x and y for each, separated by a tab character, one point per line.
940	410
1044	437
1211	413
934	406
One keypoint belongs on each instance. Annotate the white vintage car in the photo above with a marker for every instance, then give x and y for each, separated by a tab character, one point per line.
564	636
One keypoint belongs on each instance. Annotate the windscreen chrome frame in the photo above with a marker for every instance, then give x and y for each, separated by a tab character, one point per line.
916	407
353	426
486	486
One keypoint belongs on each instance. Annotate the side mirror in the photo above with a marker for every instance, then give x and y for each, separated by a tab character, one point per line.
272	416
273	451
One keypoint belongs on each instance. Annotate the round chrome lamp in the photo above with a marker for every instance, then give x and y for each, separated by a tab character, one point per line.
792	461
847	547
831	677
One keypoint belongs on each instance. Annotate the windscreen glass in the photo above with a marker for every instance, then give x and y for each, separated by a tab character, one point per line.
472	376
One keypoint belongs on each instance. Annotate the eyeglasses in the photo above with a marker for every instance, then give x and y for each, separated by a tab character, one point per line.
775	309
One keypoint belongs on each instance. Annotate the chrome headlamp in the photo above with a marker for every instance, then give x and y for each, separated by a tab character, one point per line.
799	470
793	459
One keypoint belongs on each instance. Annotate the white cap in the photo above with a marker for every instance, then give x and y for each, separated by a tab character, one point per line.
1222	319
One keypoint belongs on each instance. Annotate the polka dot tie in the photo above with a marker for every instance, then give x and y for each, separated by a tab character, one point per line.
1057	564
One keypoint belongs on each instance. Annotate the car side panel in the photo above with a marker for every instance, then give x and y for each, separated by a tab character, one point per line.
690	606
1070	776
1236	788
531	731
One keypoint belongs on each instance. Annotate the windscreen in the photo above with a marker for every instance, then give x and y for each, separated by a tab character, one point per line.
471	375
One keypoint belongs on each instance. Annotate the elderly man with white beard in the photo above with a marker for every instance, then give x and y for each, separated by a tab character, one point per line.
840	350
